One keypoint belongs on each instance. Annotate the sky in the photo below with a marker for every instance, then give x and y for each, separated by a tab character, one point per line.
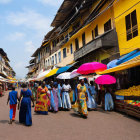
23	25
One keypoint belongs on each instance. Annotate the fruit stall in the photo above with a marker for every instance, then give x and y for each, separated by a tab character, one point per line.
127	88
128	101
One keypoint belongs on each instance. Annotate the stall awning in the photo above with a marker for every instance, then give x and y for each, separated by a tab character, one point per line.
63	69
129	64
51	73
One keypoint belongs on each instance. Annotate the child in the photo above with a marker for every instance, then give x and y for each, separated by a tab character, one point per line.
13	97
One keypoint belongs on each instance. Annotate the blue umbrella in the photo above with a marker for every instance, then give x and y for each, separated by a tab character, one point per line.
63	69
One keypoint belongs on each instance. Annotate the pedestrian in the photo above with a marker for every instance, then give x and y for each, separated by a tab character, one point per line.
42	101
90	102
93	95
12	97
109	103
82	99
59	95
66	89
25	115
55	96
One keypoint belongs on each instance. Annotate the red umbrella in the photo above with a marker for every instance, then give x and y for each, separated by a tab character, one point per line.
92	67
105	80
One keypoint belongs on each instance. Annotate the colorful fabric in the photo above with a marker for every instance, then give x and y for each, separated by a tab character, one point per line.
82	100
12	113
43	101
55	91
13	97
59	96
25	115
109	104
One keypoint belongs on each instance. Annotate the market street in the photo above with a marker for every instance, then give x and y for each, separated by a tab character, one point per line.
100	125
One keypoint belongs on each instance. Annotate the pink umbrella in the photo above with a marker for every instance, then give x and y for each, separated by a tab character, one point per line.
105	80
92	67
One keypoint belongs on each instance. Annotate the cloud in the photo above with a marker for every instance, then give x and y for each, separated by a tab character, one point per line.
16	36
5	1
30	19
29	47
51	2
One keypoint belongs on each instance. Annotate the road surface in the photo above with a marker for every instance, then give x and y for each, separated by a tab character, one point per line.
66	125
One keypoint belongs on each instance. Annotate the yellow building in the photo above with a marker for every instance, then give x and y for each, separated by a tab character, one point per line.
127	21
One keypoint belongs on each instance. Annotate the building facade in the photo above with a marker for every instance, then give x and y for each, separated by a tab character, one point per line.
86	31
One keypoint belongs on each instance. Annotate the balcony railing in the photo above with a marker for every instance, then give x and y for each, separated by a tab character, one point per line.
107	40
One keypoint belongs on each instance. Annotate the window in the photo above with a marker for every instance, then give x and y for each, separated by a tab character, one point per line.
76	44
48	49
54	43
59	57
71	48
96	31
107	26
83	39
64	53
52	60
55	58
131	25
92	34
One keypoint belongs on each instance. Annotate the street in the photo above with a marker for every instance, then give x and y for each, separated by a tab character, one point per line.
100	125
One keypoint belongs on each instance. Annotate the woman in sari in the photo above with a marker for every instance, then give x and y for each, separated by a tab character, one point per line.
25	108
55	96
82	98
43	101
59	96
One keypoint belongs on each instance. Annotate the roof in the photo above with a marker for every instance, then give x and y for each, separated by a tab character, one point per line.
35	53
2	52
63	12
127	65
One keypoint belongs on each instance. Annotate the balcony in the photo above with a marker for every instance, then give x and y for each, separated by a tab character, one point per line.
107	40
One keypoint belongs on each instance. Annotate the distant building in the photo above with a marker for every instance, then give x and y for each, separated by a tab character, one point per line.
5	68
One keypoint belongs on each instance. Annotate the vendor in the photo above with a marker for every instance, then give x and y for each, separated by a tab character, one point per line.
109	103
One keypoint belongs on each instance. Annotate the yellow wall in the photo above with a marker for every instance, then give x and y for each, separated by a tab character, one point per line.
121	9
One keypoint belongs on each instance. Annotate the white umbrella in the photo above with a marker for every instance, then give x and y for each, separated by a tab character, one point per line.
41	76
74	74
65	75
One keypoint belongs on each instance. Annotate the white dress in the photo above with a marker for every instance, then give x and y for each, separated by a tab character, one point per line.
65	96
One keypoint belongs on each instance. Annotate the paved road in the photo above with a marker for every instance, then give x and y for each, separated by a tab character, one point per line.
100	125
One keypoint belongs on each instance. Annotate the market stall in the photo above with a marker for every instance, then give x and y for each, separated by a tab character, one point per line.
127	88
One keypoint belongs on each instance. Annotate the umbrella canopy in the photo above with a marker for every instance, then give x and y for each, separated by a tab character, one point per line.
52	72
105	80
65	75
41	76
92	67
63	69
74	73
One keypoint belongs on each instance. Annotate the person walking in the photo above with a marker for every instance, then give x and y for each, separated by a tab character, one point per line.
25	115
66	88
90	102
93	95
55	96
12	97
82	99
59	96
42	101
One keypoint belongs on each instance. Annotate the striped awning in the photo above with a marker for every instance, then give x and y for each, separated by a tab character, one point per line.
127	65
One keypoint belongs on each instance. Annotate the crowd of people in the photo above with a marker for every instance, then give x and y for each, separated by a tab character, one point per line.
58	95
